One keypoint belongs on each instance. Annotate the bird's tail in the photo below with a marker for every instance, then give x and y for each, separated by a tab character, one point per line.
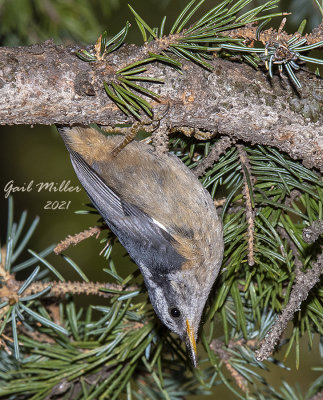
87	141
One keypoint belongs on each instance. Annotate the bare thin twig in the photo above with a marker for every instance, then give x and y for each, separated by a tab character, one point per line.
9	291
88	288
249	209
160	140
79	237
218	149
304	282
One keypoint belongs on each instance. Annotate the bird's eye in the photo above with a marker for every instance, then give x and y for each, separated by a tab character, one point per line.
174	312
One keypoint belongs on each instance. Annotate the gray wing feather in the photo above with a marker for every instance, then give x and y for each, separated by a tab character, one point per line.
147	243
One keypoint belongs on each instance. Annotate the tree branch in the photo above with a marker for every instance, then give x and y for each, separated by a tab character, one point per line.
304	282
47	84
77	238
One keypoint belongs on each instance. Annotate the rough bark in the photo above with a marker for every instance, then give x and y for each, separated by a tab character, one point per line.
47	84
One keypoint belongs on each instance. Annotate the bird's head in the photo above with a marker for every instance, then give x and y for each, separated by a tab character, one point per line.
178	299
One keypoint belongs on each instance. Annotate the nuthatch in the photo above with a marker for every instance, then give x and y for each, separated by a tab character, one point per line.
163	217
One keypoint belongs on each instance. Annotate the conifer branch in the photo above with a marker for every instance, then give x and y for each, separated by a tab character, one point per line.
248	194
77	238
303	284
219	148
195	96
59	289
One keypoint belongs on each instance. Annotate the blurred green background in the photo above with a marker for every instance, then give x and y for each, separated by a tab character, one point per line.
38	154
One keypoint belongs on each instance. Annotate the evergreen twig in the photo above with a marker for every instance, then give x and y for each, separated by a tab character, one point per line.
219	148
77	238
248	193
304	282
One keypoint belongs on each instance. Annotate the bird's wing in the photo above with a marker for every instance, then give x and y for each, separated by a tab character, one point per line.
147	242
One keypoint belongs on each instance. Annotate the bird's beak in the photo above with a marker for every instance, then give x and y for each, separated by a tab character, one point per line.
190	343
